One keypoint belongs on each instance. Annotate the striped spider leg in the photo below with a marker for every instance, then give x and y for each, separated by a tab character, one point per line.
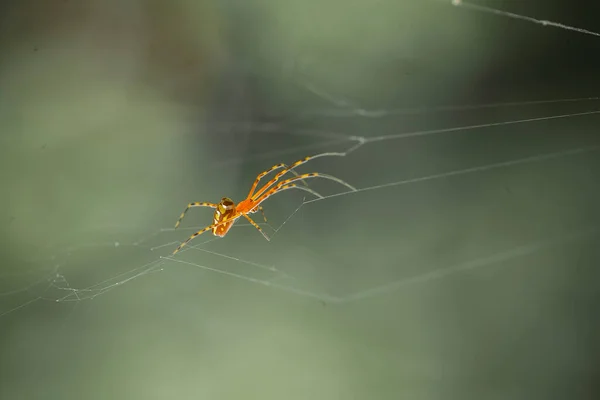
194	204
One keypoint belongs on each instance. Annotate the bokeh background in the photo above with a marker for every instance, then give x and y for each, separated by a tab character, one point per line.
482	284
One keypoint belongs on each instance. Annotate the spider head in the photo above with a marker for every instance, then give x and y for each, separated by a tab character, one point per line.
225	205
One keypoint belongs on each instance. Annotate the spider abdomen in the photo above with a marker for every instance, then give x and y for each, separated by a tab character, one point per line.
225	210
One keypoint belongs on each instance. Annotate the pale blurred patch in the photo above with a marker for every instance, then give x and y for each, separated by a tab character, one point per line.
93	126
358	48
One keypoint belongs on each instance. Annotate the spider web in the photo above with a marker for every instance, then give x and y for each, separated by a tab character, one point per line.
55	287
457	191
156	247
388	190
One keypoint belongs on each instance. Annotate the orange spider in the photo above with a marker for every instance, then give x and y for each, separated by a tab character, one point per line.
227	212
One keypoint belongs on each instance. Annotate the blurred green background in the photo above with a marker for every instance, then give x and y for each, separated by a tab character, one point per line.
469	284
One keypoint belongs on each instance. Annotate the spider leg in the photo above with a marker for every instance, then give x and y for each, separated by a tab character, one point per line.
287	184
306	189
195	235
195	204
260	208
286	170
263	213
256	226
273	168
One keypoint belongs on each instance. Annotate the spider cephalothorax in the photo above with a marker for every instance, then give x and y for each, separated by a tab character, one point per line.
227	212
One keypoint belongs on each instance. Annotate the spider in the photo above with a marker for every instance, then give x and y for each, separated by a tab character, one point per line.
227	212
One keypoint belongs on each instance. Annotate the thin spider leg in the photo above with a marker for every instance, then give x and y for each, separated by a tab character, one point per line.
201	231
195	204
273	168
290	169
286	187
259	208
263	213
195	235
256	226
306	189
283	185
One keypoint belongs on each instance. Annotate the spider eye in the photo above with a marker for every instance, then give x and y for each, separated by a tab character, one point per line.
227	203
